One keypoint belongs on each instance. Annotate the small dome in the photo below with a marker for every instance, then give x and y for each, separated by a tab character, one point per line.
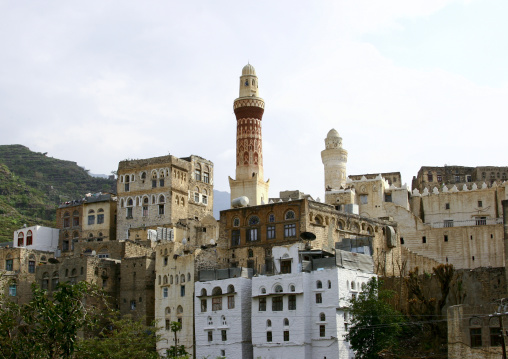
332	133
248	70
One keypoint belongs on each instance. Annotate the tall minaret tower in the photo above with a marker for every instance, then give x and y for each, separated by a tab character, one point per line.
334	159
249	108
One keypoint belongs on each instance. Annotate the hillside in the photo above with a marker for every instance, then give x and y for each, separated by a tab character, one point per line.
32	185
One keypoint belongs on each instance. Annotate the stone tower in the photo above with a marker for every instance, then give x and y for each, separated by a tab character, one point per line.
249	108
334	159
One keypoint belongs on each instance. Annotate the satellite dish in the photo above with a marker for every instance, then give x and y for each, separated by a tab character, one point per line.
184	241
53	260
307	236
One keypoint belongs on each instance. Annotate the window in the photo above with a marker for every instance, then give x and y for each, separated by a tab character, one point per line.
12	290
21	239
236	222
204	199
133	305
322	331
476	337
8	264
206	176
289	230
154	183
319	298
322	317
91	220
55	280
210	336
496	339
447	205
271	218
217	303
29	238
289	215
196	197
319	284
66	220
329	284
100	218
388	198
182	291
262	304
270	232
161	209
231	301
31	266
481	221
430	177
446	238
364	199
252	234
235	237
224	335
286	335
277	303
424	239
469	178
161	182
269	337
129	213
448	223
439	178
197	173
164	292
75	218
292	302
268	323
204	303
285	266
457	178
480	204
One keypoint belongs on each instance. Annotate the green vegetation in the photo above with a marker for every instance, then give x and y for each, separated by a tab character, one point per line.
32	185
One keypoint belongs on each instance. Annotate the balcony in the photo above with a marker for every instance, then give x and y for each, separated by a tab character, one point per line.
480	221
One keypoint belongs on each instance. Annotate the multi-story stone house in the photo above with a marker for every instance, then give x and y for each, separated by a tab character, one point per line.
157	192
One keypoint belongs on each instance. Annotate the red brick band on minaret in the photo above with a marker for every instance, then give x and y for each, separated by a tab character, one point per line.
249	112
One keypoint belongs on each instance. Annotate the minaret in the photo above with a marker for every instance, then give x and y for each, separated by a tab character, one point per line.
249	108
334	159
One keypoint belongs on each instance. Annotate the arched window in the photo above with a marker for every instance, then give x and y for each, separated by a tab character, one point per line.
188	277
130	203
176	279
231	288
236	222
286	322
168	310
223	319
262	290
329	284
210	321
319	285
29	239
250	253
182	278
206	175
165	280
268	323
278	289
75	218
253	220
66	220
203	292
21	239
289	215
271	218
179	310
217	291
322	317
171	279
318	220
45	280
161	199
54	280
291	288
353	286
91	211
197	172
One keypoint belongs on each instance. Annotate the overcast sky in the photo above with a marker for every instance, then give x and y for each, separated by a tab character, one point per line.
405	83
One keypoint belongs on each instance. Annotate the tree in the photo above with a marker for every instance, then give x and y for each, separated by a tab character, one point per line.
375	325
121	338
48	327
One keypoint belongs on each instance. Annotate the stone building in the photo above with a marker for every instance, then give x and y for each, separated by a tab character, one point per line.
447	223
248	234
137	287
159	191
103	272
17	271
222	308
249	109
192	248
476	331
91	218
432	176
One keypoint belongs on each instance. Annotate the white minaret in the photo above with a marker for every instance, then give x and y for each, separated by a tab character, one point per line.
334	159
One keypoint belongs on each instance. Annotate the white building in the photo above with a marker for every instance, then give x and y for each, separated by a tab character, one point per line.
303	313
36	237
222	310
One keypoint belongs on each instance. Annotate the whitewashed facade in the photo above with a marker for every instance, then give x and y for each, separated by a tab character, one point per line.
303	314
223	318
36	237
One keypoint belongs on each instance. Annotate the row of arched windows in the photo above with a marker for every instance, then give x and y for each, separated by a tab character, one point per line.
218	291
277	288
142	200
67	219
163	280
254	220
21	239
